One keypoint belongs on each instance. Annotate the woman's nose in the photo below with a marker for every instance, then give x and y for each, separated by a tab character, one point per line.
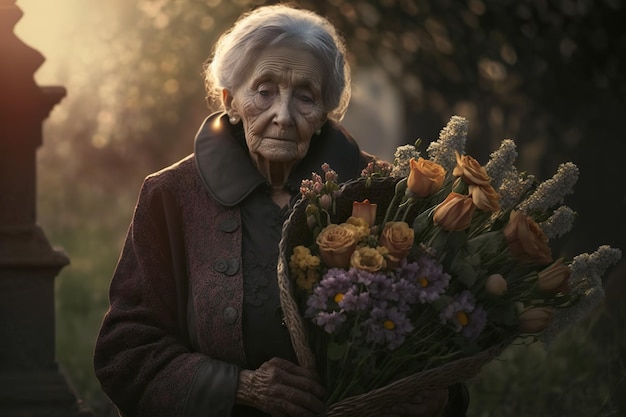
283	116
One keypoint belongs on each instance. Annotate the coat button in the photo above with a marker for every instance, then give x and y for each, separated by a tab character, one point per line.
233	267
229	225
220	265
230	315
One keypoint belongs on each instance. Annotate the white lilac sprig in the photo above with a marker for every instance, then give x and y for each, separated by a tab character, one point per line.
552	191
501	163
586	282
452	138
402	159
559	223
514	186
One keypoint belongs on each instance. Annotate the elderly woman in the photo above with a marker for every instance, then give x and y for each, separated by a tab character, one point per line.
194	326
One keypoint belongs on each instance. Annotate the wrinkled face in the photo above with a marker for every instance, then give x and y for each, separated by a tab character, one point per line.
280	104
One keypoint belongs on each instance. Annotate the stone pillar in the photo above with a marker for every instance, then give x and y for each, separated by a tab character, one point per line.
31	383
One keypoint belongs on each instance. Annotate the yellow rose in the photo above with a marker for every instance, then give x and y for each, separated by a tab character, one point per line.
470	170
369	259
397	237
364	210
496	284
336	244
554	278
455	212
535	319
485	197
526	240
425	178
358	225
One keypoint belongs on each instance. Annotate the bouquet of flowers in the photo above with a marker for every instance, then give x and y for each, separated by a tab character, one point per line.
421	271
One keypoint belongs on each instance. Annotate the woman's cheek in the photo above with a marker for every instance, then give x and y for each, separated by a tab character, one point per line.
303	147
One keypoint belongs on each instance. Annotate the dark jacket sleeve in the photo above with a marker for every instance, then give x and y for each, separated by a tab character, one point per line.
142	356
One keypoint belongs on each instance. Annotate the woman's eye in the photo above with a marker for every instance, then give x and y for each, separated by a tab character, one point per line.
264	96
265	90
305	97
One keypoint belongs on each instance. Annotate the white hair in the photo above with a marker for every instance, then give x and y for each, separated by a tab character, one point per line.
281	25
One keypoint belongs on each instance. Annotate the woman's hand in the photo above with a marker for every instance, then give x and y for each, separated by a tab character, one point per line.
430	403
282	388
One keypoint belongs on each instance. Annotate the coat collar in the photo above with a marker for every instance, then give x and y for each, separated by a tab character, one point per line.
229	175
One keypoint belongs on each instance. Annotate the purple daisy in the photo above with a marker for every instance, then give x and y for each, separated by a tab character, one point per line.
355	300
387	327
464	316
377	284
477	322
430	279
330	321
335	281
405	293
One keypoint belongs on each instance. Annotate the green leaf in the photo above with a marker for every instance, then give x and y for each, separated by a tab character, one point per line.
456	240
337	351
442	302
504	314
463	268
486	244
422	223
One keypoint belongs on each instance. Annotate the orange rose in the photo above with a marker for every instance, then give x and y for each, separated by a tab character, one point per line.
455	212
426	177
336	244
554	278
369	259
526	240
485	197
470	170
535	319
397	237
365	211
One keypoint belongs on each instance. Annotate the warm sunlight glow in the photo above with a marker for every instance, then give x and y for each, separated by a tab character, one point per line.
61	30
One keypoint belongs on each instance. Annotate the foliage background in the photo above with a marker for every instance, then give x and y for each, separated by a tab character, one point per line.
547	73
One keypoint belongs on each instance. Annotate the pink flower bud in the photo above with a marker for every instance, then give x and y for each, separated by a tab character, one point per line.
325	201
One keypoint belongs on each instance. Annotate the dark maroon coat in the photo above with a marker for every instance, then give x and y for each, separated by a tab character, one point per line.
171	343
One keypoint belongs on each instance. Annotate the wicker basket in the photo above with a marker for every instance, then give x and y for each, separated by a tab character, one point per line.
296	232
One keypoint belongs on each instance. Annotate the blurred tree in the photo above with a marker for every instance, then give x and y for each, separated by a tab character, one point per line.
547	73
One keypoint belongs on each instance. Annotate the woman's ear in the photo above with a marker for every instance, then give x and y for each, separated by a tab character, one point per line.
227	102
